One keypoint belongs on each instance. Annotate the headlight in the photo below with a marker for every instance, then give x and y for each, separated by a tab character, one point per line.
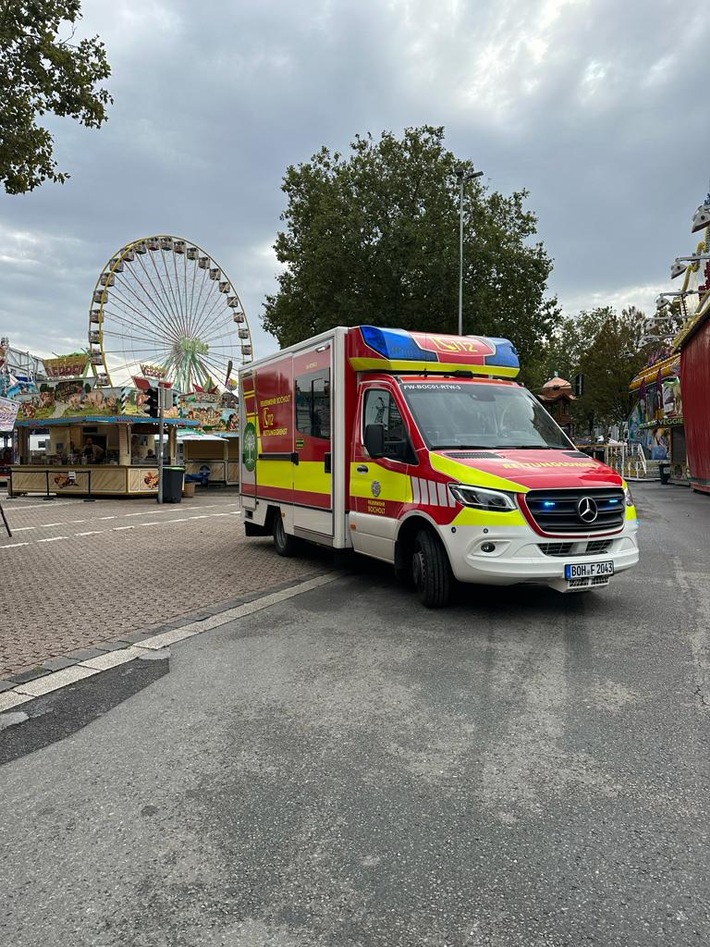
492	500
627	497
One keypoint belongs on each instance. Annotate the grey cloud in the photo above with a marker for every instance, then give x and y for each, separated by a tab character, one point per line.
212	105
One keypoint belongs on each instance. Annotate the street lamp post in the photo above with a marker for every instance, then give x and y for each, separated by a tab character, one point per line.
463	175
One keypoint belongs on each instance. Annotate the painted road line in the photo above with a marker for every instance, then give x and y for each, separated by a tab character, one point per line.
112	659
170	637
150	512
232	614
107	517
52	682
10	699
23	509
115	529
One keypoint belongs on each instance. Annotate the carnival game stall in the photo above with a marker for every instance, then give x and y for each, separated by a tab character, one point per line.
98	441
210	454
656	423
206	457
20	373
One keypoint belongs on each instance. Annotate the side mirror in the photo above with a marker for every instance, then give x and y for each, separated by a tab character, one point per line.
375	440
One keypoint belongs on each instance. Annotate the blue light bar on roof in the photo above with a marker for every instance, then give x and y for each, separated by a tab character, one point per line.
373	348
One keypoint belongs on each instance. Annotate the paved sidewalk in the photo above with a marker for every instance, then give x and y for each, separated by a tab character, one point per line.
80	577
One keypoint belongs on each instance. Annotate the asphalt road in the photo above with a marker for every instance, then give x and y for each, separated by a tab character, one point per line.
345	768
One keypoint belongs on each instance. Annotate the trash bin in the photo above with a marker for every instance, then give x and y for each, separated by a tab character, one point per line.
664	468
172	484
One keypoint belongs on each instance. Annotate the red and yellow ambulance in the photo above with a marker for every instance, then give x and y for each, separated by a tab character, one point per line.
422	451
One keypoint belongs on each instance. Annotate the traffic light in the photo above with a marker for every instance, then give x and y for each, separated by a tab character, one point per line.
153	410
166	397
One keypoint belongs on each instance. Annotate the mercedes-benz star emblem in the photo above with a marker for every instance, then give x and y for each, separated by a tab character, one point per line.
587	510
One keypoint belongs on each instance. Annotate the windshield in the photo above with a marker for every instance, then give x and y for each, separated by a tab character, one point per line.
471	414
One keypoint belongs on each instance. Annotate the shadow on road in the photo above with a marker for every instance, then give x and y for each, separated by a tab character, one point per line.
64	712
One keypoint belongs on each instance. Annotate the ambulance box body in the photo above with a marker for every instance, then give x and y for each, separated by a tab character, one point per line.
422	451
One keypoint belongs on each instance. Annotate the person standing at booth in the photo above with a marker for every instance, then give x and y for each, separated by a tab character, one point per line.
93	453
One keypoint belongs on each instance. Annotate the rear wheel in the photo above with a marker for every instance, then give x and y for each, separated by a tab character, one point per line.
285	544
431	572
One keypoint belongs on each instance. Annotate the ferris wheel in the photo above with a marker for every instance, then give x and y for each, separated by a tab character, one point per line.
162	307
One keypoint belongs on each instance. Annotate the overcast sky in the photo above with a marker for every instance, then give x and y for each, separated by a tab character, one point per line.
597	107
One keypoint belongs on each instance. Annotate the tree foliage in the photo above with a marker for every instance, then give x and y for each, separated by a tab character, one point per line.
41	73
374	238
608	349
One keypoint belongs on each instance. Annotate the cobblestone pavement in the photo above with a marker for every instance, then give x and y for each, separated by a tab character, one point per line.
75	575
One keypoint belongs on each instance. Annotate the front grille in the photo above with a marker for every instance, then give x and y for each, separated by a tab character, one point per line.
598	545
555	549
562	511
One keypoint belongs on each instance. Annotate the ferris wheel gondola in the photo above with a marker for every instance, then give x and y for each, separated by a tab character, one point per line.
162	306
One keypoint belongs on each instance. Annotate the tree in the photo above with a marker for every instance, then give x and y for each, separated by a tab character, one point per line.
374	238
42	73
608	349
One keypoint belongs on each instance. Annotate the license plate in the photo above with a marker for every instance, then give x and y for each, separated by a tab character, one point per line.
589	570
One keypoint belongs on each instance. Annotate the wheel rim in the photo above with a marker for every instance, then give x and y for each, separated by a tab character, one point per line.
418	569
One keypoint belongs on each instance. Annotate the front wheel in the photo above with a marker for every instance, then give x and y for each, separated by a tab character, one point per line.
430	570
285	544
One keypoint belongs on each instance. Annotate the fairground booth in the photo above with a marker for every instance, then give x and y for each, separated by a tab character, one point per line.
674	429
657	423
73	437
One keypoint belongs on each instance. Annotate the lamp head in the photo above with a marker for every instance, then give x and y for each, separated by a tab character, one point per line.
677	268
463	175
701	218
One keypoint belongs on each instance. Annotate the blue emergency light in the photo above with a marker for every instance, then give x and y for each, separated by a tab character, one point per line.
480	354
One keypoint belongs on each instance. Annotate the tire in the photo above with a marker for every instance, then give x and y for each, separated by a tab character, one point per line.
431	572
285	544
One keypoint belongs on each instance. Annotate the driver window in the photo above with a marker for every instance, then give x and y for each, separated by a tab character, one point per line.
381	408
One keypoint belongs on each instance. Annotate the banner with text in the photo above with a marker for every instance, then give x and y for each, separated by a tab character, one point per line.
8	414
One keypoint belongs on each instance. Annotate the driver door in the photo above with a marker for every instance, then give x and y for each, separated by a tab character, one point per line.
379	488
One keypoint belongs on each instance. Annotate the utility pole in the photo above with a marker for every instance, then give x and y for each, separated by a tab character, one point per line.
163	393
463	175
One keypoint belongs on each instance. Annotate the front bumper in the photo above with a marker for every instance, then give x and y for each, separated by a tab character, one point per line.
519	555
